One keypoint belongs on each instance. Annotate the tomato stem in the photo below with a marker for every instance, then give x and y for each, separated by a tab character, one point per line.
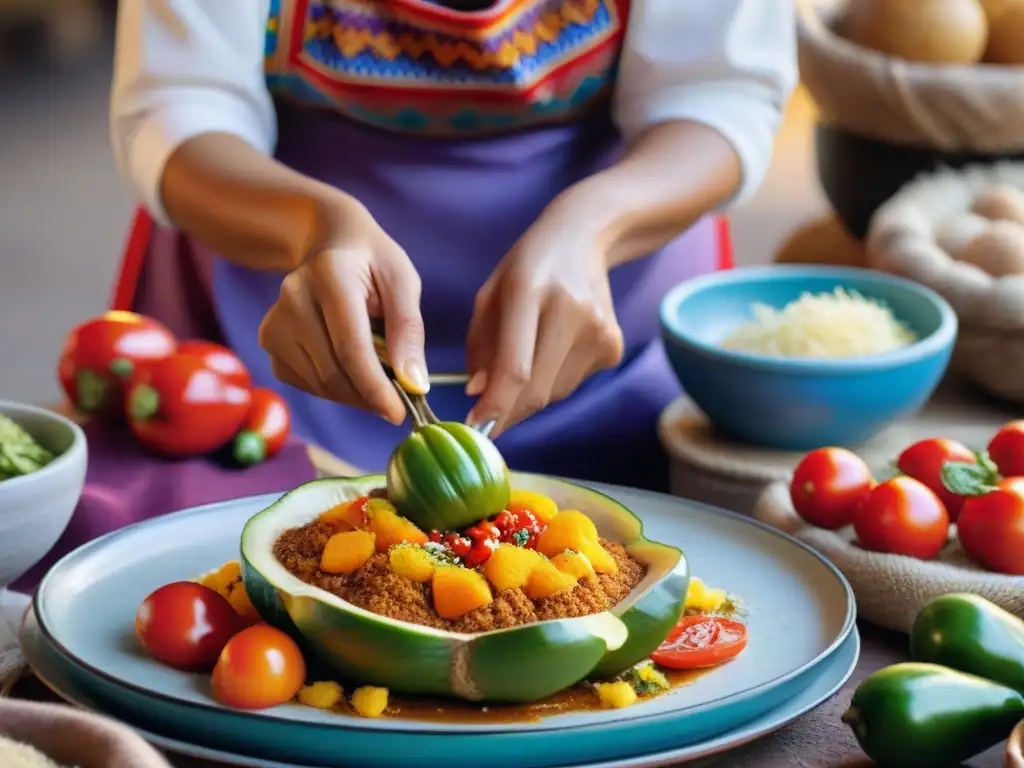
145	403
121	367
249	448
91	391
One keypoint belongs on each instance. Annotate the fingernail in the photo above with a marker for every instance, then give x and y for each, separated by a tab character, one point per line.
414	378
476	384
479	419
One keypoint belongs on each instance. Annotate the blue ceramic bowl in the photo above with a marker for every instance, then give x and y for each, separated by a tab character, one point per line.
802	403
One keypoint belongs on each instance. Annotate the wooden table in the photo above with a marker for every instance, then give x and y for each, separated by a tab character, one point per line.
816	740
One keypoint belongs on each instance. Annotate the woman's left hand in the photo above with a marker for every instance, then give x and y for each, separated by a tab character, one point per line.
542	323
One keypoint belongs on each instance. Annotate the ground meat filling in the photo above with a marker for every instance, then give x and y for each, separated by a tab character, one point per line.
375	587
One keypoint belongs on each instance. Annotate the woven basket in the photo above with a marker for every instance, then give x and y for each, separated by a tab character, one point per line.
952	108
903	240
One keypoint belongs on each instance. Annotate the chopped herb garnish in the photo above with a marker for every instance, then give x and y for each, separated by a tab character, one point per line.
522	537
646	680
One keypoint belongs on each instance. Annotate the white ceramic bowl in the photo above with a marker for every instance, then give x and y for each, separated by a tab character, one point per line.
36	508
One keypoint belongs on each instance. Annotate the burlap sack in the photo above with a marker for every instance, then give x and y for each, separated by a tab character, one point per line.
891	589
903	239
951	108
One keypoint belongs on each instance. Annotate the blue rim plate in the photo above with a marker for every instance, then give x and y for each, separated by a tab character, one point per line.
50	668
801	611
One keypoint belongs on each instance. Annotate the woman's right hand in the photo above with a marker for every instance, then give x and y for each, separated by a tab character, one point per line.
318	332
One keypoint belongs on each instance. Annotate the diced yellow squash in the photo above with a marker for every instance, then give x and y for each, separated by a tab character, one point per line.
546	580
599	557
323	695
347	514
457	591
411	562
223	578
347	552
543	508
566	530
509	566
239	600
370	701
575	563
390	527
702	598
617	695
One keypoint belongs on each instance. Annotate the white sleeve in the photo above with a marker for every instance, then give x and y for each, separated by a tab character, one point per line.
727	64
184	68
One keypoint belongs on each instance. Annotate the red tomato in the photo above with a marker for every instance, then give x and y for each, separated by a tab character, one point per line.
991	528
265	430
260	667
902	517
186	625
220	359
827	486
701	641
924	461
1006	449
101	354
179	407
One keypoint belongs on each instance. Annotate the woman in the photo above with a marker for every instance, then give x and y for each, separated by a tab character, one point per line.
511	185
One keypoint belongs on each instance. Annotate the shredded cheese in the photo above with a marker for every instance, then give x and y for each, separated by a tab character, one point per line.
838	324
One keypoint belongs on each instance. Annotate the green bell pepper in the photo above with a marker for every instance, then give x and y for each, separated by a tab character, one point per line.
447	477
971	634
916	715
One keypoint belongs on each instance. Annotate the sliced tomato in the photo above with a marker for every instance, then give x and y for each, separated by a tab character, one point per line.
701	641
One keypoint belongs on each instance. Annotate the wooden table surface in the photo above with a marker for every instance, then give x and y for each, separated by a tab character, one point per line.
816	740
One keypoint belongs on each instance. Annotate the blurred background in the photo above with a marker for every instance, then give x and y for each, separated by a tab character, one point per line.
63	210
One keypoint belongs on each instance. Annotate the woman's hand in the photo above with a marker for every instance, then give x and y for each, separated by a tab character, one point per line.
318	332
542	323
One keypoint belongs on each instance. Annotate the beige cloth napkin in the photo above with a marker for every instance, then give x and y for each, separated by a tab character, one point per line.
891	589
71	738
12	609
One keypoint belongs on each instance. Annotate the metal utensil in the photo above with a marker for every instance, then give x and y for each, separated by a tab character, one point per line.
416	404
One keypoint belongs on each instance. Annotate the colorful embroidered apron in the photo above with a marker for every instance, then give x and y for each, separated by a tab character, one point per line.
455	129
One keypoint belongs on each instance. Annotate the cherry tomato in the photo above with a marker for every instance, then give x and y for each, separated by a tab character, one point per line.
924	461
179	407
480	552
265	430
827	486
701	641
902	517
991	528
1006	449
260	667
220	359
186	625
101	354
